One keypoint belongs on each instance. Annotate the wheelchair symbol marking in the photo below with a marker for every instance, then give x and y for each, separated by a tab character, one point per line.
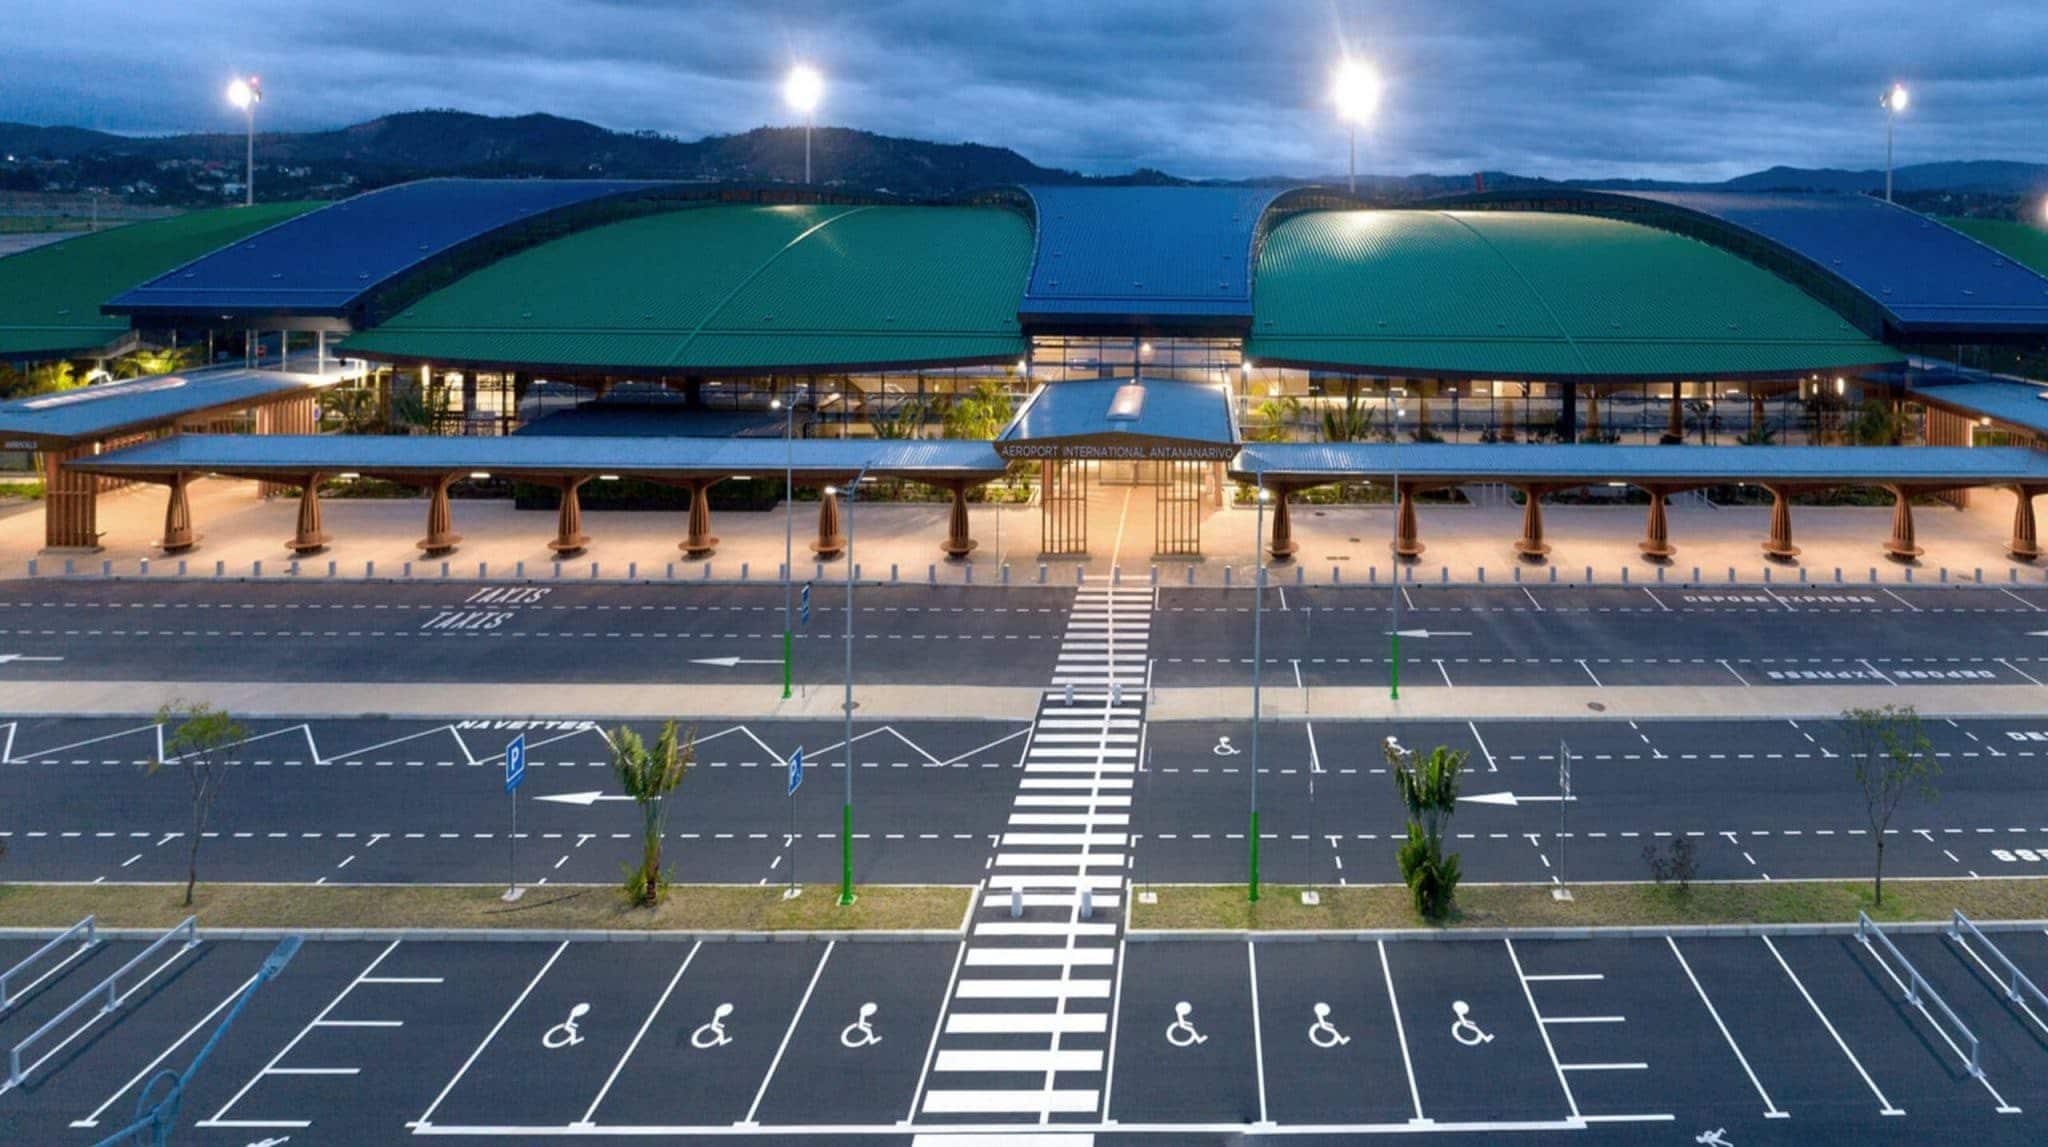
1718	1137
1464	1030
712	1034
1181	1032
1224	748
564	1034
1323	1033
860	1033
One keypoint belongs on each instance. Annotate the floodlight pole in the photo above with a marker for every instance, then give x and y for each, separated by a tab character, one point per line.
808	118
249	140
1889	117
846	818
1394	630
1354	159
1258	665
788	544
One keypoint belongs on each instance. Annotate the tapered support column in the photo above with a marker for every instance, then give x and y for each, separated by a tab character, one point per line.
441	536
700	542
2024	546
569	536
831	542
178	535
1507	420
1674	426
1899	547
309	538
70	502
1406	544
958	543
1280	544
1656	544
1531	546
1592	412
1780	547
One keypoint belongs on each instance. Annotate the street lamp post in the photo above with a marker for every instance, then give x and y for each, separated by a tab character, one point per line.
245	94
1394	397
1356	92
846	812
802	91
788	538
1258	665
1894	102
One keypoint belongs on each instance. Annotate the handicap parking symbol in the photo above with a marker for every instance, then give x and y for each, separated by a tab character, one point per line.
1465	1030
712	1034
564	1034
860	1033
1224	748
1718	1137
1181	1032
1323	1033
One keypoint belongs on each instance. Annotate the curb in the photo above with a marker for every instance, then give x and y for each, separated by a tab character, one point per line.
1624	932
515	935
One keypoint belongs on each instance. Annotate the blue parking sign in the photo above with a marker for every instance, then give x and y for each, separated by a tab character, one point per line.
803	605
796	772
515	763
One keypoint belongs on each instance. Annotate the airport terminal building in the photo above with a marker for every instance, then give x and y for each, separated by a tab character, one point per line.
1202	343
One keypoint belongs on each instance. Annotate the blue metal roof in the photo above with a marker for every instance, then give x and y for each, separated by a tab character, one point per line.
323	263
113	407
2013	401
254	455
1581	463
1157	408
1166	255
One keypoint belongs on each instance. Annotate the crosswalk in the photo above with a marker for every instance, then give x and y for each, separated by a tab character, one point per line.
1027	1028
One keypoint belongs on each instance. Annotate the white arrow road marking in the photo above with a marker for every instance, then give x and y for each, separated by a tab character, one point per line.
1432	633
6	657
1509	799
729	662
584	799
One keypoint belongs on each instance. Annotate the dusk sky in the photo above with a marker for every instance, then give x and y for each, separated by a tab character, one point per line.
1694	89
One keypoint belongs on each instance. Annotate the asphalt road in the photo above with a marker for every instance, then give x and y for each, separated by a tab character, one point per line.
1507	635
396	801
1738	1040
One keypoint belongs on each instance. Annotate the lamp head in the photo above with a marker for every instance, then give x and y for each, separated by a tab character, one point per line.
1896	99
803	89
244	92
1356	90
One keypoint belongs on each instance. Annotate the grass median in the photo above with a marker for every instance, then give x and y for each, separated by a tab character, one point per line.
698	907
1353	908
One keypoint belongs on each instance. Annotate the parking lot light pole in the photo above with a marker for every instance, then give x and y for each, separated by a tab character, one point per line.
846	897
1394	397
1894	102
788	537
1258	665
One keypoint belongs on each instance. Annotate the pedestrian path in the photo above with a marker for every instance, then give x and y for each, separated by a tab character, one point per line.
1026	1033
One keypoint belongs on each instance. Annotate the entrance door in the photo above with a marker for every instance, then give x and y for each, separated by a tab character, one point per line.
1063	508
1177	509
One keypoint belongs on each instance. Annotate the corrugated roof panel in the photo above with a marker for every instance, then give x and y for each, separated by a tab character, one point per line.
1529	295
50	295
1170	408
324	262
2025	243
109	407
1144	252
737	287
1922	273
1622	463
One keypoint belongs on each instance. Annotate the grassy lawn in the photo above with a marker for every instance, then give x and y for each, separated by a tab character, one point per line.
747	908
1594	905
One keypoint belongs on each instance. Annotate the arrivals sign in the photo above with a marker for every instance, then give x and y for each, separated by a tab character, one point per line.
1119	449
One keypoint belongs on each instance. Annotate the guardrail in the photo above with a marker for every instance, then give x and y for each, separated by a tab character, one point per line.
109	987
2015	979
1918	988
88	925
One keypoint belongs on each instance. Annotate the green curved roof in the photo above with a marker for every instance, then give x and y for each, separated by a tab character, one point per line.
732	287
50	295
1520	295
2023	243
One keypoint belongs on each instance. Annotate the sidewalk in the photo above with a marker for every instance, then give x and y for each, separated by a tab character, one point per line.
243	536
445	701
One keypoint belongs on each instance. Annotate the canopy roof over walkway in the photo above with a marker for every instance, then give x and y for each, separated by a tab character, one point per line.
1308	463
109	409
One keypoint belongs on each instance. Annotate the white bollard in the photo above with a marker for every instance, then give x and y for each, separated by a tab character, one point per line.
255	568
1838	575
1980	575
744	570
1042	571
1443	575
593	571
483	571
895	575
1944	575
1624	575
558	570
519	570
405	571
1482	575
632	571
444	569
1518	575
1336	574
1016	902
143	567
1154	576
1006	573
1767	575
1696	576
1191	575
70	568
31	567
292	568
968	569
1909	574
1226	577
181	569
369	569
1087	903
1078	576
707	571
1070	692
1802	575
2012	575
1116	575
931	574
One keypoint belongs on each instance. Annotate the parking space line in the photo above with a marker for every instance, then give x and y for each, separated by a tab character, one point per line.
271	1068
620	1066
1251	956
1401	1033
426	1117
1920	1005
791	1031
1771	1109
1887	1109
1997	980
1541	1030
93	1119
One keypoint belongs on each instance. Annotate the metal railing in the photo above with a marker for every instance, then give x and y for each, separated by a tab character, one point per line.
87	926
110	988
1918	990
2015	980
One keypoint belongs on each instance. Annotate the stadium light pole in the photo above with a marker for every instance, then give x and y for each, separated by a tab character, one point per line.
788	535
802	91
1258	665
245	94
1356	91
1394	412
846	896
1894	102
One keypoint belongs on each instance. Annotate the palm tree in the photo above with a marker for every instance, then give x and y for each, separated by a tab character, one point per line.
1277	416
903	422
980	413
153	361
649	777
1353	423
1429	789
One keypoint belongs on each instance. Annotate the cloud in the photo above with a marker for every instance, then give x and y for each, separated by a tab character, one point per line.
1676	88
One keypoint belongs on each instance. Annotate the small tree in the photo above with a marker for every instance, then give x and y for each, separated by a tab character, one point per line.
196	745
1429	788
1892	756
649	777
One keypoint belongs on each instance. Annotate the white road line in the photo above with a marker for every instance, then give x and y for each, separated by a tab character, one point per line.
1865	662
953	984
2004	1108
1659	601
2018	670
426	1117
1589	673
93	1119
1532	599
1771	1110
1901	600
1251	956
2018	598
1401	1033
1731	669
1491	767
1887	1109
271	1068
1570	1099
620	1066
791	1031
1447	673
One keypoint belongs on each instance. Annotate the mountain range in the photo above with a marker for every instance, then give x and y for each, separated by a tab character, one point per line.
413	145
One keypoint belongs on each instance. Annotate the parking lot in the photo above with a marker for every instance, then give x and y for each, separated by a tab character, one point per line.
1740	1039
